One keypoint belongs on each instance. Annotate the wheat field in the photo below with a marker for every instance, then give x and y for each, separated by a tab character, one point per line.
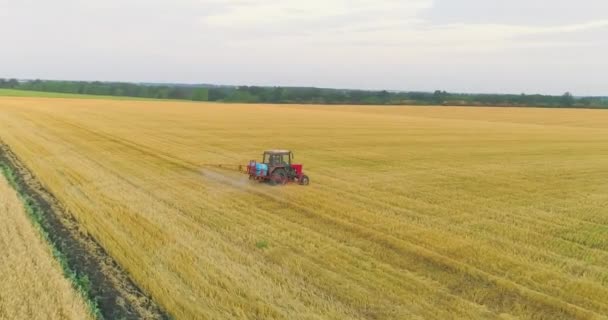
412	212
32	284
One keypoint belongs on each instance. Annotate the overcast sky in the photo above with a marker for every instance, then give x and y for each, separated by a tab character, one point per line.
545	46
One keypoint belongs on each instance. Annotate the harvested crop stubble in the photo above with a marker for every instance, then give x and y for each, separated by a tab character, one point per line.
430	213
32	285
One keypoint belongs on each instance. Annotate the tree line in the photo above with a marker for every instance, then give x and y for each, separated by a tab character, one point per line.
302	95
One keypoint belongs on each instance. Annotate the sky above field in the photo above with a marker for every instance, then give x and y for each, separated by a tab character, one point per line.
544	46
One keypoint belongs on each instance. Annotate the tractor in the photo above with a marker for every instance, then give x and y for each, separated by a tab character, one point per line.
276	169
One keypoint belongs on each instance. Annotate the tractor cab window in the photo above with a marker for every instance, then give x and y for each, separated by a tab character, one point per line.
277	159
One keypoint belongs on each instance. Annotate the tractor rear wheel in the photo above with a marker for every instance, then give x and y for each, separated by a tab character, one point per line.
304	180
278	176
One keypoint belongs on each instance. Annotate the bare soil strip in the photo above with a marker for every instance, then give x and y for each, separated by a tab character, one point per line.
117	296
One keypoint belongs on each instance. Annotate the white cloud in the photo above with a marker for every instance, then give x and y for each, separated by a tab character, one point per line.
397	25
250	13
483	37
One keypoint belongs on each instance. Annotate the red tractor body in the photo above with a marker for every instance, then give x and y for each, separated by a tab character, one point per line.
297	168
276	168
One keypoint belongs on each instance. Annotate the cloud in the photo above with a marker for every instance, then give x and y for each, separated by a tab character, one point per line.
597	24
404	27
484	37
255	13
516	12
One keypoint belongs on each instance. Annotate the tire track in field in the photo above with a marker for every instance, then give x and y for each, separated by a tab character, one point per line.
469	280
399	278
535	219
116	295
595	304
417	217
599	303
469	277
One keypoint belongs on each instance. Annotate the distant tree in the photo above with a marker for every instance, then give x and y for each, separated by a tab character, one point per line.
200	94
567	99
357	96
12	83
383	96
586	101
217	94
277	95
162	93
439	96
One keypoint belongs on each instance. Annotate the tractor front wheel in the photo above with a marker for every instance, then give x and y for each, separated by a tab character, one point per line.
278	176
304	180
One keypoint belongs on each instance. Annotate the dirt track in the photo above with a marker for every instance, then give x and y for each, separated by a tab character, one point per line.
117	296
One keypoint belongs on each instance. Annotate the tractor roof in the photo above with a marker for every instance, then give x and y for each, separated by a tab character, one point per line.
277	151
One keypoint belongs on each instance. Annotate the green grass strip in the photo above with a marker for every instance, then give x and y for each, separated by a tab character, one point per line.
80	282
40	94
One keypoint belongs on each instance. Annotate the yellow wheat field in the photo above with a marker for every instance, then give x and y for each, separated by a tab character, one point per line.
412	212
32	285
